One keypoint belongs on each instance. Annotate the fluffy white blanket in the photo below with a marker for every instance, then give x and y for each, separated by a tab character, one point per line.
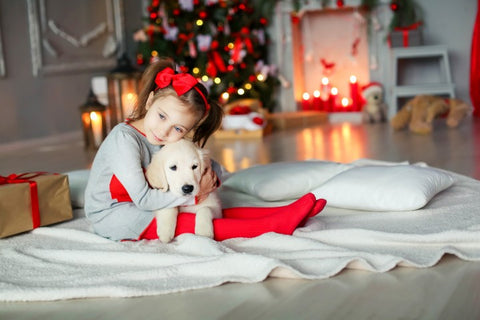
69	261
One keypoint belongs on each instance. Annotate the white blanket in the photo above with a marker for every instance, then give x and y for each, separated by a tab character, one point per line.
69	261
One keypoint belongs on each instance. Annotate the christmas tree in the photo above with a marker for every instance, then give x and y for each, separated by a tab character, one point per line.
223	43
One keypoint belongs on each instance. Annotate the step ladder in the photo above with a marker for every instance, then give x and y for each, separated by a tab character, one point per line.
443	87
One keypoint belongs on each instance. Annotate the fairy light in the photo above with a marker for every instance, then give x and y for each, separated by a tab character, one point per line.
225	96
199	22
241	92
217	80
204	78
260	77
195	70
248	86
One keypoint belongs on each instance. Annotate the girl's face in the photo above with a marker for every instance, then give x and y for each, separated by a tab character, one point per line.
167	120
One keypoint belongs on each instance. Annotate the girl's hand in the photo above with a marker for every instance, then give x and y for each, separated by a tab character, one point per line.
208	183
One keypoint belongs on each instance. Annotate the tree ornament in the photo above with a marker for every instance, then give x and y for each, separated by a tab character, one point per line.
394	5
340	3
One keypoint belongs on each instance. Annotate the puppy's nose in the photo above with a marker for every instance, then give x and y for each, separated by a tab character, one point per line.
187	188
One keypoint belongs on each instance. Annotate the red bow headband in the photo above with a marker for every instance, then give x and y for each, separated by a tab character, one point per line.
181	83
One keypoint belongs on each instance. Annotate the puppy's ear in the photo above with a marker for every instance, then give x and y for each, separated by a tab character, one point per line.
155	173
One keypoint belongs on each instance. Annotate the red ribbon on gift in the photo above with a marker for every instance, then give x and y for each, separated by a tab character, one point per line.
25	178
405	31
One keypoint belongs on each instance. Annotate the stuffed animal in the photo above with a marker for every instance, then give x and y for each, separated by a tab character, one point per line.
418	113
374	109
244	114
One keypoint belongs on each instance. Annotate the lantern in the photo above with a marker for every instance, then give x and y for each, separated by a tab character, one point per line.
93	122
123	87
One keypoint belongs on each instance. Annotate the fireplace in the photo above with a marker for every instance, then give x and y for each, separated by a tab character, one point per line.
330	59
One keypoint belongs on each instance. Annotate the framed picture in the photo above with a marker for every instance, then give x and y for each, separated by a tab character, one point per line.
69	36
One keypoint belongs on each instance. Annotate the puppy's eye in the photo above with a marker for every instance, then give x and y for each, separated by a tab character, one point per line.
194	167
173	168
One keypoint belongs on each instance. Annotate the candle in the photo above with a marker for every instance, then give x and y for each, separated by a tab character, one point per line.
325	93
354	93
96	123
345	103
128	103
306	104
332	101
317	102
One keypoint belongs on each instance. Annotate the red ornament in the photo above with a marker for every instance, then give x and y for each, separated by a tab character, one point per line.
153	15
252	78
340	3
140	60
184	69
176	12
394	5
202	14
294	18
263	21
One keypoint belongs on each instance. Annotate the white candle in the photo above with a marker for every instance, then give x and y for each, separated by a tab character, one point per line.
96	119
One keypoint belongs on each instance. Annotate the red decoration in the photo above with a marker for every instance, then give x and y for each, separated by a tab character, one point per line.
258	121
294	18
340	3
263	21
394	6
475	65
238	110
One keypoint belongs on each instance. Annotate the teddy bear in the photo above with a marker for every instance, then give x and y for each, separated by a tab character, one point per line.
418	113
374	108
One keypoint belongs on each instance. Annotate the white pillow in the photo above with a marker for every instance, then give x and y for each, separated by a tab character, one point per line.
77	181
283	180
384	188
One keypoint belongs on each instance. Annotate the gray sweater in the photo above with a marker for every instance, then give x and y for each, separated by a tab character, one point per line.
118	199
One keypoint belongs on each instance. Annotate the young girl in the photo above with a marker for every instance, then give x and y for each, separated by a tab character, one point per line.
118	200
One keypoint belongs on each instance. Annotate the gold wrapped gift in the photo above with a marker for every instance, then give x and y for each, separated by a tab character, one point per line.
33	199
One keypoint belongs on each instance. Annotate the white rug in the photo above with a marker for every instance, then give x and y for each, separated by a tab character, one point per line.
69	261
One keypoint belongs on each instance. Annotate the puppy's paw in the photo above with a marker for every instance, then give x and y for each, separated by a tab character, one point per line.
205	228
165	233
203	223
166	224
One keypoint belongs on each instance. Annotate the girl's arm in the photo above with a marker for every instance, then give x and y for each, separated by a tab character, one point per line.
127	162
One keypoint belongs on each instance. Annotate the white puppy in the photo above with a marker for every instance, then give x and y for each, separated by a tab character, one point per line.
178	167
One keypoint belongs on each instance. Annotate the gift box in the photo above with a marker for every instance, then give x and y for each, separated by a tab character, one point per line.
31	200
406	37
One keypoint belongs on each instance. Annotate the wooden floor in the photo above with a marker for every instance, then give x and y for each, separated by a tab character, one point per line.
450	290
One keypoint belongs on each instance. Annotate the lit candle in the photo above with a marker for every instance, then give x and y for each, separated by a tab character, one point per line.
96	122
317	102
128	103
306	104
333	99
345	103
354	93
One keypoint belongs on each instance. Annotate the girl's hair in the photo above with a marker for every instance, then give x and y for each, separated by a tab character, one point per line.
211	117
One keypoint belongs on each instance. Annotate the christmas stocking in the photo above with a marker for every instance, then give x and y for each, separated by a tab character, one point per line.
249	222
